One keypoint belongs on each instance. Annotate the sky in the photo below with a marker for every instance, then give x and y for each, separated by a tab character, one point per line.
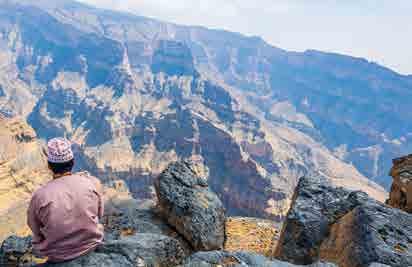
379	30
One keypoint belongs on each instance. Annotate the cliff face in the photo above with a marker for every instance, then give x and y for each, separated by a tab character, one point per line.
401	191
136	100
23	168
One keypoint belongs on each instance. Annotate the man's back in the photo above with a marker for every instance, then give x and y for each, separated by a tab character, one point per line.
64	217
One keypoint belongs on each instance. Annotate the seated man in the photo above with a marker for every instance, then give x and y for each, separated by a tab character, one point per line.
64	214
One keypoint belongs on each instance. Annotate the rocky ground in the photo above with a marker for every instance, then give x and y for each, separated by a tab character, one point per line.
188	227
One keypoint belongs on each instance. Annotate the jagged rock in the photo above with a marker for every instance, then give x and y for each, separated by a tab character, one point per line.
222	258
191	207
315	207
137	250
251	235
401	191
344	227
370	233
127	217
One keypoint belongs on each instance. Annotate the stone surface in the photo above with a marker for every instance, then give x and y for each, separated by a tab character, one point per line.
401	191
221	258
23	168
315	207
347	228
370	233
378	265
188	204
251	235
126	217
137	250
17	252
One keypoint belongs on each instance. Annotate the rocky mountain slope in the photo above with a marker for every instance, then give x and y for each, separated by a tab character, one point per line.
23	168
136	94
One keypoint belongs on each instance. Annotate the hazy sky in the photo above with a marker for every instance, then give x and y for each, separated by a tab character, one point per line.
379	30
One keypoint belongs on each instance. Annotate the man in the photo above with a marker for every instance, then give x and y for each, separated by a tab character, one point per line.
64	214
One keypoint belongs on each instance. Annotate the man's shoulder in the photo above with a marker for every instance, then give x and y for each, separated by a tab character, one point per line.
96	182
87	175
43	194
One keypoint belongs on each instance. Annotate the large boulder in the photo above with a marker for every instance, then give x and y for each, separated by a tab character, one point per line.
315	207
401	191
222	258
370	233
188	204
347	228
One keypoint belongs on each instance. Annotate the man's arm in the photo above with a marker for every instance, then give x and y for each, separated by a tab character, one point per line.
34	222
99	188
99	191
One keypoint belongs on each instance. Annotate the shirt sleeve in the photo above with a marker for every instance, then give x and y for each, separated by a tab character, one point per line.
99	191
33	221
101	200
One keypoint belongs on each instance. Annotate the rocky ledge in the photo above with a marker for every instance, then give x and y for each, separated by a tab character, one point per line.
325	227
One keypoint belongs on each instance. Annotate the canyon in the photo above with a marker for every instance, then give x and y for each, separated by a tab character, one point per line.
135	94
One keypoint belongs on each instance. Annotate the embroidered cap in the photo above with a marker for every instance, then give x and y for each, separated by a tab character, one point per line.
59	150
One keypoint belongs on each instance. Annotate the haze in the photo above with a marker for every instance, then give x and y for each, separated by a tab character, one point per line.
379	30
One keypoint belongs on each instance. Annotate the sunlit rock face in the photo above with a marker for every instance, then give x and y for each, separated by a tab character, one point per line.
401	191
135	94
23	169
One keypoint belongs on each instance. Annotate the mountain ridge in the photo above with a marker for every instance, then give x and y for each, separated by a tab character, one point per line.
133	102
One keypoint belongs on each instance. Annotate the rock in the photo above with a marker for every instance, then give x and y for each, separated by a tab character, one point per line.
401	191
127	217
222	258
251	235
191	207
173	58
370	233
347	228
315	207
378	265
16	251
137	250
23	168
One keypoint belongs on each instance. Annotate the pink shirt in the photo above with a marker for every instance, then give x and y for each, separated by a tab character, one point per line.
64	217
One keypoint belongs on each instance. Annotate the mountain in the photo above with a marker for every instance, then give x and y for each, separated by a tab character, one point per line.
136	94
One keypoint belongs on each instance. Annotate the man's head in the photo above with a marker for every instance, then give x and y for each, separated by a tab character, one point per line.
60	156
